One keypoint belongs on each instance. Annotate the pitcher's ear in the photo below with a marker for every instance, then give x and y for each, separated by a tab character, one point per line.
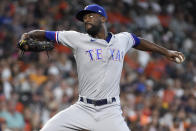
103	19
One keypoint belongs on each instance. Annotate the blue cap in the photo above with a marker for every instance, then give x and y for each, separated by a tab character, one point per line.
94	8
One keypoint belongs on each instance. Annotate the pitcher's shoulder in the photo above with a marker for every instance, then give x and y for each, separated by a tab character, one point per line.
73	33
123	35
81	33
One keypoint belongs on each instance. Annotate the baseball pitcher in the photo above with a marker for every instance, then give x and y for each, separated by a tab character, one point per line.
99	55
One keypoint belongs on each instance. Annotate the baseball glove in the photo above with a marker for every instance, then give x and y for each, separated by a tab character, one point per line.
35	46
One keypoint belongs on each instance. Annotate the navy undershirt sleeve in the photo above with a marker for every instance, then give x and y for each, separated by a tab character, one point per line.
50	35
136	39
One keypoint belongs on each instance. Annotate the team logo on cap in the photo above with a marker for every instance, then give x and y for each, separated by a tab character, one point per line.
99	11
85	7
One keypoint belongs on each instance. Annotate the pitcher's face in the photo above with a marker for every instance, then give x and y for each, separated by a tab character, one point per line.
92	23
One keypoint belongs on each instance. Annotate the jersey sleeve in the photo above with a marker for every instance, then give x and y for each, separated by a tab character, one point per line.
67	38
132	39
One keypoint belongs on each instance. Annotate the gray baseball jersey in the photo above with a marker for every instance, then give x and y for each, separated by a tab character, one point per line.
99	66
99	62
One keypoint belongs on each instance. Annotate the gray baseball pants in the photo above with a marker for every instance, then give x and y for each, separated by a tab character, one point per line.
82	116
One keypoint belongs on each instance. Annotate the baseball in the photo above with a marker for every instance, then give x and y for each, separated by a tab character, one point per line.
177	60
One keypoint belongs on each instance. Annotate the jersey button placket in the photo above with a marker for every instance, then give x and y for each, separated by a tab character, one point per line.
104	55
106	52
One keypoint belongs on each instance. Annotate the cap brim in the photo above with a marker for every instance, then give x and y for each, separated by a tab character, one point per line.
81	14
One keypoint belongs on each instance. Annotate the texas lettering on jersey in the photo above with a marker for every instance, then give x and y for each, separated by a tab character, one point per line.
97	54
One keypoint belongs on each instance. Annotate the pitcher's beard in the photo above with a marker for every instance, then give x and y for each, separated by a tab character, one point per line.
94	30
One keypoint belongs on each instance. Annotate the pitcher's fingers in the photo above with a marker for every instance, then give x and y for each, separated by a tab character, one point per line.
181	56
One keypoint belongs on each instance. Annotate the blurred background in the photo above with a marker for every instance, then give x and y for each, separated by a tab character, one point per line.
156	94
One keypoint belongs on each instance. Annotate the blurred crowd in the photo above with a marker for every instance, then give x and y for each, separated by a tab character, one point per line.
156	94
